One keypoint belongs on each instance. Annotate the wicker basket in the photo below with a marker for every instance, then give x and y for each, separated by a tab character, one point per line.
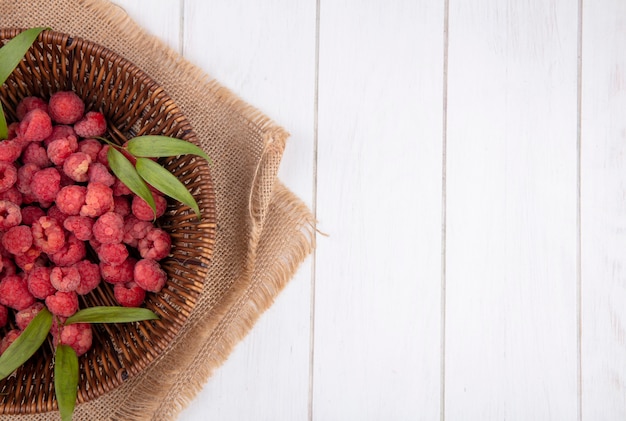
134	105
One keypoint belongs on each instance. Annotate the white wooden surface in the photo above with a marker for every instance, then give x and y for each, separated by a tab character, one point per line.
468	161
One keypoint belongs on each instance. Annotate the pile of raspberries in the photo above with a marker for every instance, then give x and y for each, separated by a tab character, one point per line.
67	223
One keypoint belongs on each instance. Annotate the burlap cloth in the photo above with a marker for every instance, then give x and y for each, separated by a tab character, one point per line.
264	231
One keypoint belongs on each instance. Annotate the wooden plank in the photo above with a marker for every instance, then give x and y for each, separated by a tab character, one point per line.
265	53
511	247
603	210
378	274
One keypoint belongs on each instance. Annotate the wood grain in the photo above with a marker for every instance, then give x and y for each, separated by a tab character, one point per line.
511	303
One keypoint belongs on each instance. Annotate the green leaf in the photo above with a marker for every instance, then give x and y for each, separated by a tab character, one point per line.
162	146
111	314
13	51
4	131
165	182
126	172
66	380
26	344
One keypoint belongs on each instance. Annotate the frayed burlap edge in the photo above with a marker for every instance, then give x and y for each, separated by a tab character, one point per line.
171	382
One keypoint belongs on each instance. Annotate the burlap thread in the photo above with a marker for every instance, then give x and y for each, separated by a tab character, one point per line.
264	231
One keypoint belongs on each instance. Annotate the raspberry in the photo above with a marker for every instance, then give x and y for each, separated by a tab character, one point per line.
35	127
78	336
10	215
142	210
80	226
8	266
92	124
48	235
62	303
24	317
8	339
120	189
122	205
38	281
76	166
12	130
60	149
46	184
65	278
129	294
36	154
27	260
66	107
135	230
118	274
59	132
91	147
98	173
89	276
113	254
24	180
103	155
57	214
149	275
12	195
30	103
8	176
31	213
14	293
109	228
155	245
18	239
99	200
71	199
10	150
73	252
4	315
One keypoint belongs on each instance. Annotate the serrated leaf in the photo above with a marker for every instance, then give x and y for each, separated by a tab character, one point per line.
162	146
126	172
26	344
13	51
4	130
66	380
111	314
165	182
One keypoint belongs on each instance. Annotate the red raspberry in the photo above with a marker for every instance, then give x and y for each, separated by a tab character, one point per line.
91	147
10	150
57	214
129	294
65	278
66	107
122	205
91	125
98	173
103	157
12	195
99	200
118	274
10	215
8	267
24	180
62	304
8	339
71	199
78	336
155	245
24	317
149	275
120	189
60	149
18	239
112	253
135	230
73	252
27	260
142	210
12	130
29	103
80	226
38	281
76	166
109	228
36	154
8	176
46	184
4	315
14	293
89	276
31	213
59	132
48	235
35	127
